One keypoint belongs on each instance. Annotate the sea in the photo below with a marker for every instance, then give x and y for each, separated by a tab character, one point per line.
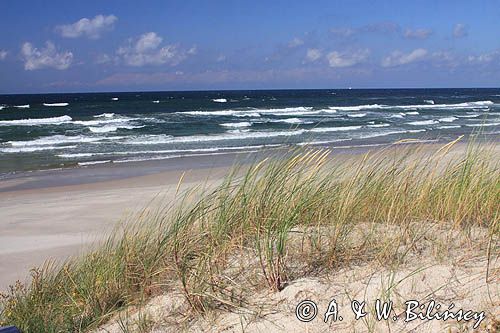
50	131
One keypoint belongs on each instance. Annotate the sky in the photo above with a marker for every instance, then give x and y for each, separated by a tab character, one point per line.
121	45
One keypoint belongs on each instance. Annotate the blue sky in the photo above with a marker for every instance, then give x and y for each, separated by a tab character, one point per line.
71	46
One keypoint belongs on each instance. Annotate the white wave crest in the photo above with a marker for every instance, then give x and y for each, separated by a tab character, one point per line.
422	122
357	115
483	125
292	121
111	128
166	139
448	127
32	149
105	121
168	151
447	119
25	106
468	116
56	104
379	125
36	121
358	107
237	125
105	115
219	100
59	140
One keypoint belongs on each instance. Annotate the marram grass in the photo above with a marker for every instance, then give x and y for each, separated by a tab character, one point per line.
297	214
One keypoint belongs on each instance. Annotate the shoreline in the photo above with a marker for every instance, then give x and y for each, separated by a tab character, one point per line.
99	172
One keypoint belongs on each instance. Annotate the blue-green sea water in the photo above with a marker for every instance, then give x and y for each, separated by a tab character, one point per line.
62	130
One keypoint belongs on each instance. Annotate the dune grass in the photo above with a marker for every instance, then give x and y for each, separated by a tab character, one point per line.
265	225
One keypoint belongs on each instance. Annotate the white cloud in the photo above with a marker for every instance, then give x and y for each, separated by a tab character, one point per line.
347	59
147	50
398	58
460	30
417	33
485	58
296	42
3	54
47	57
91	28
313	54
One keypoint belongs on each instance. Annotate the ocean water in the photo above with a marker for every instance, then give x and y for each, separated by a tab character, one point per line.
62	130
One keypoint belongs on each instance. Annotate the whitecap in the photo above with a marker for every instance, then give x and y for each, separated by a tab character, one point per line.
165	139
59	140
105	115
380	125
468	116
55	104
36	121
240	124
357	115
219	100
156	101
291	121
168	151
25	106
32	149
429	101
448	127
357	107
447	119
422	122
104	121
114	98
482	125
111	128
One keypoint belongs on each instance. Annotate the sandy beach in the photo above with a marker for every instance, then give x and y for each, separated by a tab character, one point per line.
56	214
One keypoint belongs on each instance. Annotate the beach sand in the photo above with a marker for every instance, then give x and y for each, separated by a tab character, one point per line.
41	217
